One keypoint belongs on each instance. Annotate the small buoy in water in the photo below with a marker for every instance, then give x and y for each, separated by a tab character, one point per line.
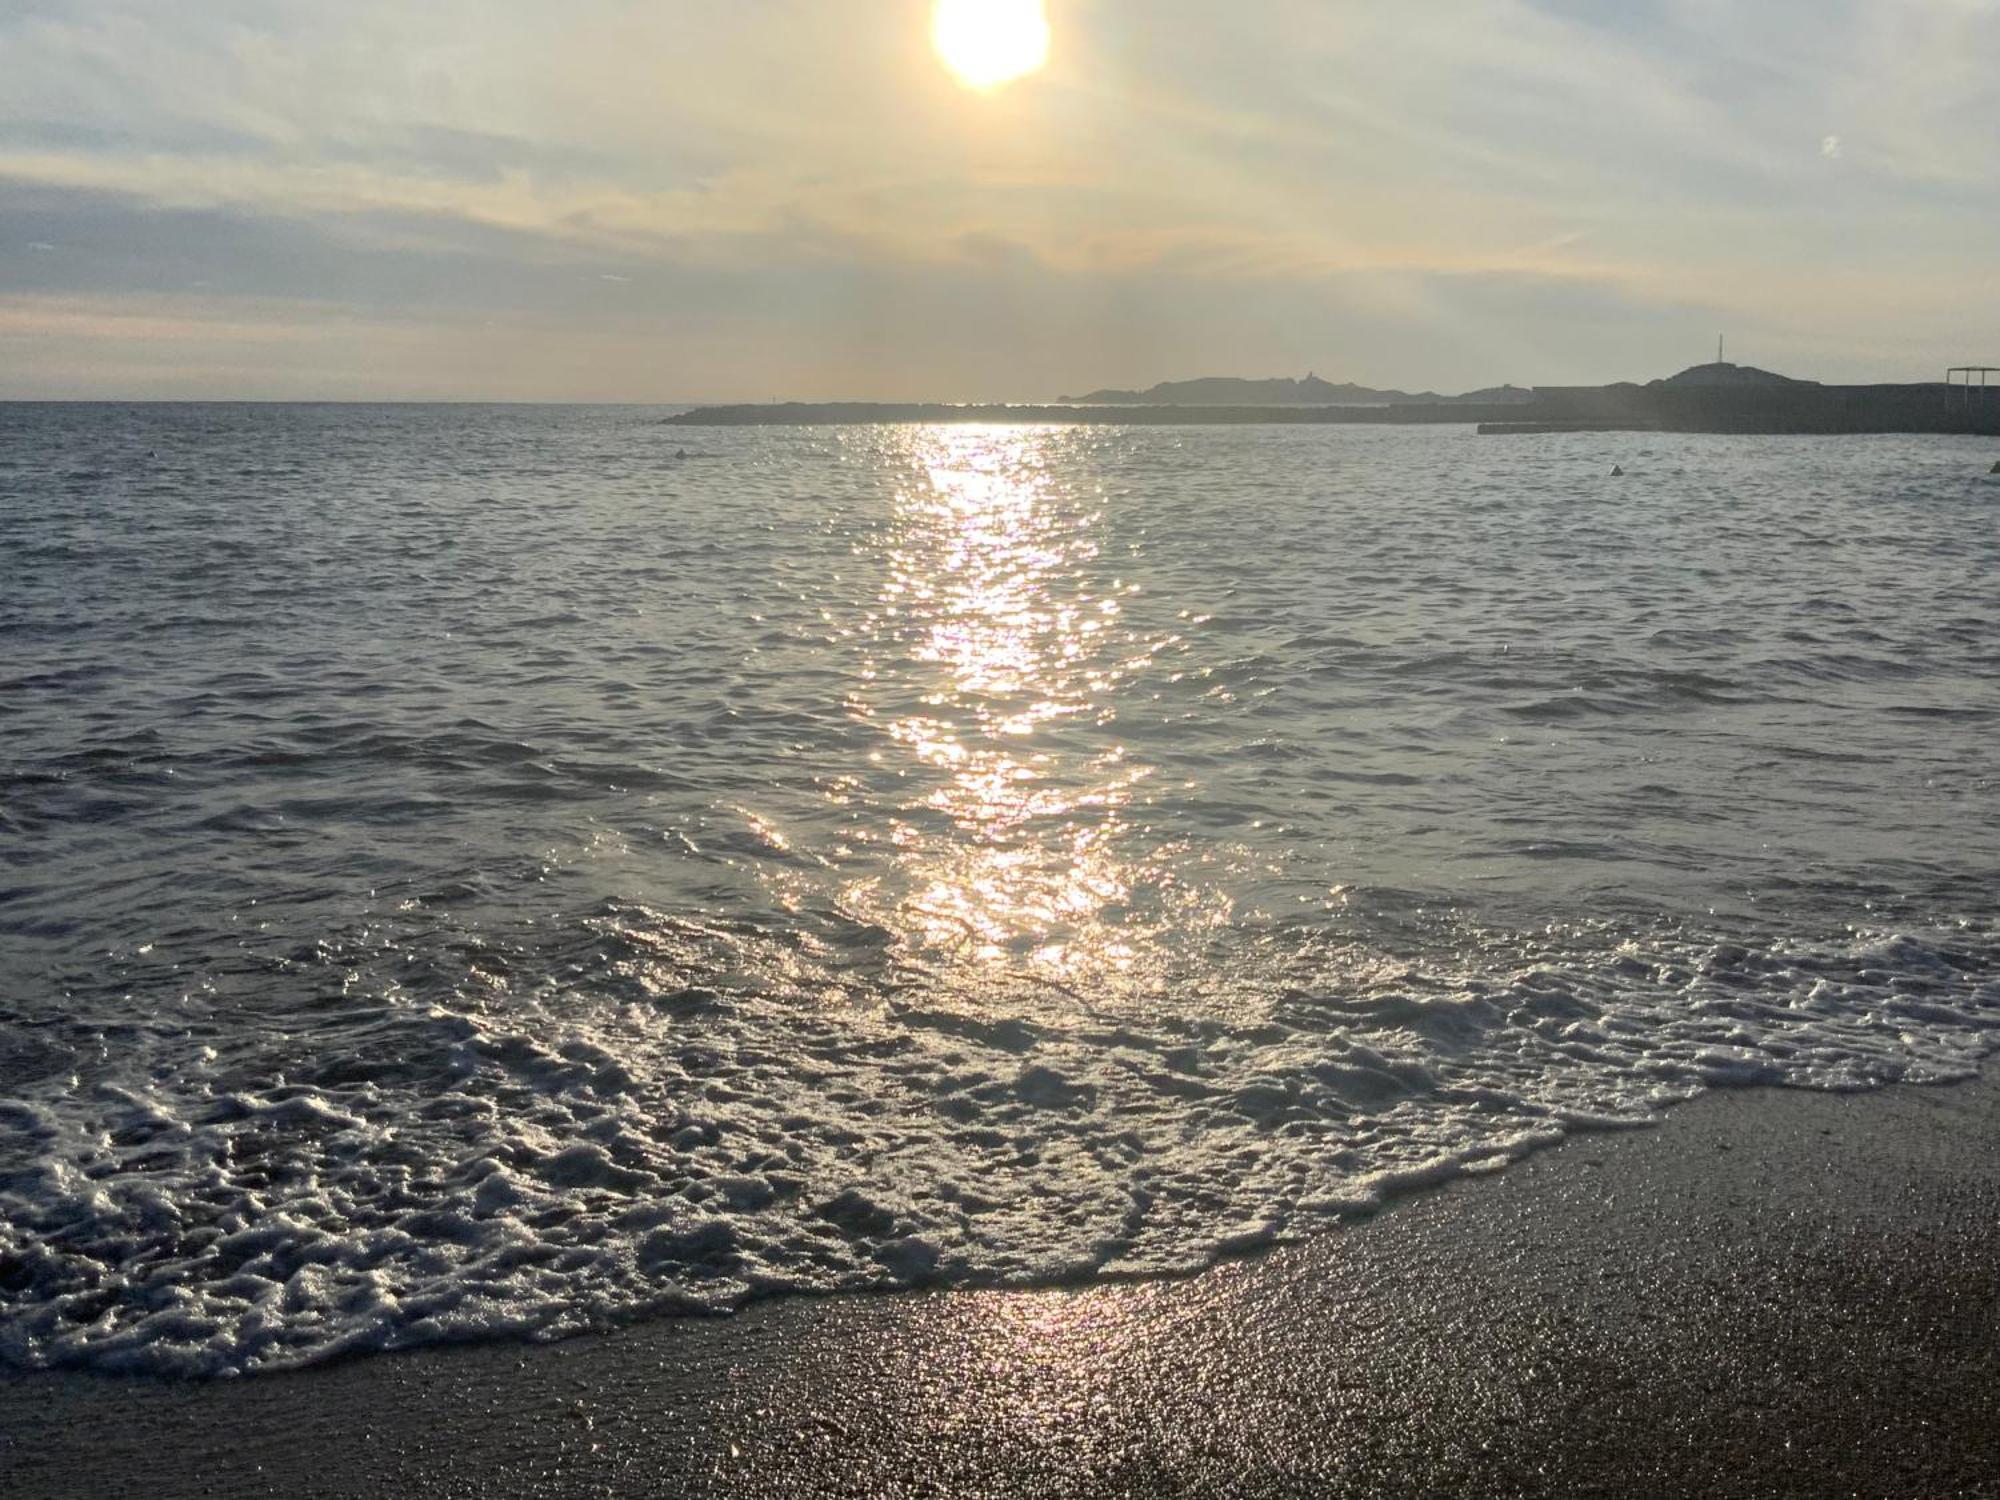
680	453
1617	471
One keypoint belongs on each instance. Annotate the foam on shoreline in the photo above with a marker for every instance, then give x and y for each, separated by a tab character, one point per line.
470	1176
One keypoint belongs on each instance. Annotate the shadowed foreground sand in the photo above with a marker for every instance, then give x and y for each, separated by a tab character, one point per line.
1775	1294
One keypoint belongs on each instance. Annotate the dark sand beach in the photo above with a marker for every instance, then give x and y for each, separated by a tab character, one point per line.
1777	1293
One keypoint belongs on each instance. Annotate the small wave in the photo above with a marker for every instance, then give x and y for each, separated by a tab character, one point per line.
599	1161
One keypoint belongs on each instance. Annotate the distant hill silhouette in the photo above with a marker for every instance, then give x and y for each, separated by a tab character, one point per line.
1720	397
1726	374
1218	390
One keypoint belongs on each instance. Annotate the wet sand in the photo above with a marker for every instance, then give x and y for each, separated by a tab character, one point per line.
1774	1294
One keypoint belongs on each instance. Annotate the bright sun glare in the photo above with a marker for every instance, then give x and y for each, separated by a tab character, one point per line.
986	43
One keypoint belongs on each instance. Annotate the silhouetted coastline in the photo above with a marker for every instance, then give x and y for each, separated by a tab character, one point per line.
1707	398
1312	391
859	413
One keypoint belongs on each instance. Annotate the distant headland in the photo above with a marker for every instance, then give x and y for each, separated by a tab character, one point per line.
1717	397
1312	391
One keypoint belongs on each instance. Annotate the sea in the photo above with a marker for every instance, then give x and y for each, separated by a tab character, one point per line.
502	871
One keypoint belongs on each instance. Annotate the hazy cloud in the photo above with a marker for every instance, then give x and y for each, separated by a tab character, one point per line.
685	199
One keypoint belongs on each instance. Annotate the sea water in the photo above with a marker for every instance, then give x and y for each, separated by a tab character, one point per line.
477	870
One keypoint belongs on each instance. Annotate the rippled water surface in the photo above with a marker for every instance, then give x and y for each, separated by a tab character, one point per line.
471	870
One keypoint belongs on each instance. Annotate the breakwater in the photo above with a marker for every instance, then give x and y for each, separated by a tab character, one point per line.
1788	408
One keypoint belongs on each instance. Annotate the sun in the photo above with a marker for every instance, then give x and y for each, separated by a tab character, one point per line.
986	43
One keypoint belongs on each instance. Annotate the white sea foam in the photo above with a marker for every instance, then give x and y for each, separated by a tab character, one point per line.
535	1185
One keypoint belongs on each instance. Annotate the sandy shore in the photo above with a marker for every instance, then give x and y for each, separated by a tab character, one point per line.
1774	1294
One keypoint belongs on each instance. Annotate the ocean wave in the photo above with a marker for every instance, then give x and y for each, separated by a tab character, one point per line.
627	1143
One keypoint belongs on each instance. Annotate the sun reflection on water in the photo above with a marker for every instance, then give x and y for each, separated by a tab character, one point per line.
999	653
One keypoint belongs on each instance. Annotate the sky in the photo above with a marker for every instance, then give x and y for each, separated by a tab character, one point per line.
702	200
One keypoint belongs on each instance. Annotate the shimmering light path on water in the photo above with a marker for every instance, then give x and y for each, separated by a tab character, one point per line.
467	870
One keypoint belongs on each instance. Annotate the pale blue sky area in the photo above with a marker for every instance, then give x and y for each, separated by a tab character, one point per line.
689	200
